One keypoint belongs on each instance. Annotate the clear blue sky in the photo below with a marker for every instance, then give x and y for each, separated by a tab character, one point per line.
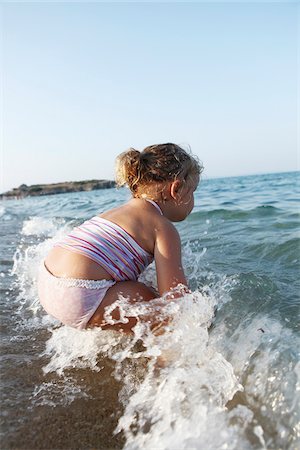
82	82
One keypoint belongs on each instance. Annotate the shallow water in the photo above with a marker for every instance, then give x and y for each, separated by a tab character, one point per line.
224	375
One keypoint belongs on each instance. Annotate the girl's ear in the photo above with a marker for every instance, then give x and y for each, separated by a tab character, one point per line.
174	189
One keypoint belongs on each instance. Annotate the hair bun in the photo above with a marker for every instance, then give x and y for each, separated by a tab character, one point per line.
127	168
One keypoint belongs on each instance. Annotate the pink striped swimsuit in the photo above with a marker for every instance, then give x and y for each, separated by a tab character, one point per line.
110	246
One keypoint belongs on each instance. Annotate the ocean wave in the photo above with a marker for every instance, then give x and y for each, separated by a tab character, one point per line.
237	214
29	255
2	211
286	252
41	226
224	374
178	361
197	388
259	350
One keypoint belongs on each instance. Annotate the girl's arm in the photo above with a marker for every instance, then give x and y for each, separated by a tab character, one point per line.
167	255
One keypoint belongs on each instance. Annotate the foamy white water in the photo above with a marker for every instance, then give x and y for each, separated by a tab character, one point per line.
224	374
181	402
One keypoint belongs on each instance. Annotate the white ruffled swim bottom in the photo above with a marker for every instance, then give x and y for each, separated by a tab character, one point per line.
72	301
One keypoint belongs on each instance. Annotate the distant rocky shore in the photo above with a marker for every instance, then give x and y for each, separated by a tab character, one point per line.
56	188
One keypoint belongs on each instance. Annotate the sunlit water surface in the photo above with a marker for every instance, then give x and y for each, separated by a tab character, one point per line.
224	375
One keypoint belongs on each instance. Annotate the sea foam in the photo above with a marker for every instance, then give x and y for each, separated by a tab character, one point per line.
202	384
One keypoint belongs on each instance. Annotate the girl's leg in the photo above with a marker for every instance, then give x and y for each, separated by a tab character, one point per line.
132	289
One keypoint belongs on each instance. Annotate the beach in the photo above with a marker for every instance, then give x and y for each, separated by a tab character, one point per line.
226	372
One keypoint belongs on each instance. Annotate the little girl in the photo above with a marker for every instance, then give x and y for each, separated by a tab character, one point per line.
102	258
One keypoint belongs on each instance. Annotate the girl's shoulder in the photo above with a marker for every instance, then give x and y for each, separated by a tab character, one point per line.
134	209
141	220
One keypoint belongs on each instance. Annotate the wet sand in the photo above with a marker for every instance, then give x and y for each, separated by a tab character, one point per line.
86	423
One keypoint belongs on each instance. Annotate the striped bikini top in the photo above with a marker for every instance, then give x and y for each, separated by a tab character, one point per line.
110	246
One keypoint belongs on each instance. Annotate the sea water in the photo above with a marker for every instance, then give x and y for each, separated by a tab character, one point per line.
225	374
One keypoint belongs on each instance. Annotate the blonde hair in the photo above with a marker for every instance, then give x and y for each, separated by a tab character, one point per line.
155	164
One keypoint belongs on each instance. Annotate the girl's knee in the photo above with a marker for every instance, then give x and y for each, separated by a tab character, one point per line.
134	290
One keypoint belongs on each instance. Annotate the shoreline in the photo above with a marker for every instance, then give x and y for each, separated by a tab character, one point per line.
37	190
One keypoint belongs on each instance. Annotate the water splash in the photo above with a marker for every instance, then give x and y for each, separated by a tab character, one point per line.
193	386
